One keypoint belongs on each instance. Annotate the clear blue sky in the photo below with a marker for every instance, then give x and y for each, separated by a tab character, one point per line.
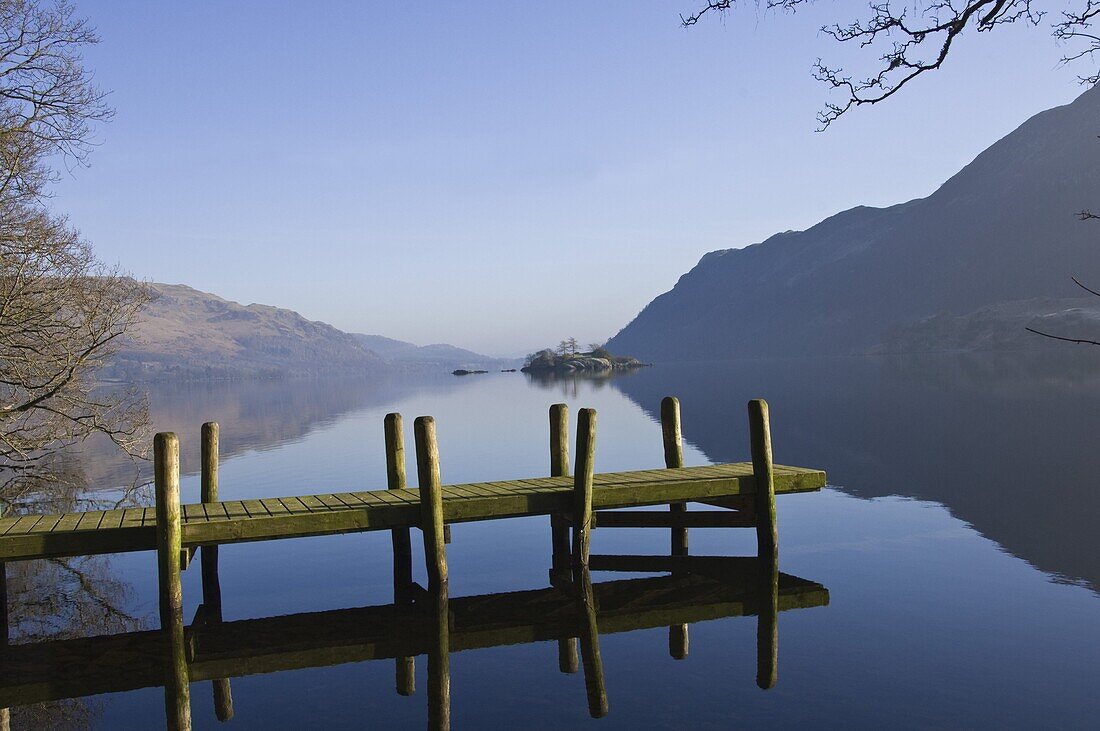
498	175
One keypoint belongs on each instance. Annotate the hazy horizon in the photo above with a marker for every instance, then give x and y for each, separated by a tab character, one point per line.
498	177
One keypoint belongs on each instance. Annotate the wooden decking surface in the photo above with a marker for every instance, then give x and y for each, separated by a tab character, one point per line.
38	672
232	521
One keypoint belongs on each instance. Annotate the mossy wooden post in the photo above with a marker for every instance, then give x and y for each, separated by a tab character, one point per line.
559	467
5	714
763	475
208	489
767	625
405	669
594	684
208	557
674	458
166	480
431	501
559	525
582	486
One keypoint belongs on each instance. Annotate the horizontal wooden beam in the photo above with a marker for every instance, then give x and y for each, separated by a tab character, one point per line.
688	519
719	567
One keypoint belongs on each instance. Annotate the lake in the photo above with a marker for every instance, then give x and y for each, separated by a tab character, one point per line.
957	542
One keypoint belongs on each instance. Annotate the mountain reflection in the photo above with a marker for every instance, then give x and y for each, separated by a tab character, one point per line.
1005	442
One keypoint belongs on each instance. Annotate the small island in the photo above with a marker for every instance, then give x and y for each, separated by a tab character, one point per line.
568	358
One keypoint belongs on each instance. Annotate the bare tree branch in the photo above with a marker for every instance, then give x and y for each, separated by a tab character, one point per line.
910	40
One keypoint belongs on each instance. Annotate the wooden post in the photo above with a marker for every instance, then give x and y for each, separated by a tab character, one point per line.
166	479
209	440
431	501
767	536
590	645
559	467
582	486
5	713
559	525
208	557
767	625
674	458
405	667
439	662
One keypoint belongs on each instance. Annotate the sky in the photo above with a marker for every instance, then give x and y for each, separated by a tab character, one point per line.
499	175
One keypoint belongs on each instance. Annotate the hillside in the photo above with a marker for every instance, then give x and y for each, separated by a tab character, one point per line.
441	355
191	334
1004	229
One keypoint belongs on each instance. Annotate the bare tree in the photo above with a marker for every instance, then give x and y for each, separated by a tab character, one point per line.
62	312
569	347
909	40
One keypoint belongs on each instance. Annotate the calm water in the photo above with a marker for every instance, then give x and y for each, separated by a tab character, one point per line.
958	544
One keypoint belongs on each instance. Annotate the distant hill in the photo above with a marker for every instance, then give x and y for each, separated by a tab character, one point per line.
1002	230
191	335
442	355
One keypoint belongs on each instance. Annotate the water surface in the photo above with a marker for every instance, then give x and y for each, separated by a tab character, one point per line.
957	543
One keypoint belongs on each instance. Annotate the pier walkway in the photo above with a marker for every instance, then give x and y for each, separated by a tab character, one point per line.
234	521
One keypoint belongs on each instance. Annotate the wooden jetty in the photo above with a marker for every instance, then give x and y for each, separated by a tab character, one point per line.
744	494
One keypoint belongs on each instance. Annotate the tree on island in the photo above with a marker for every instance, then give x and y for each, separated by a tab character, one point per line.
568	347
62	312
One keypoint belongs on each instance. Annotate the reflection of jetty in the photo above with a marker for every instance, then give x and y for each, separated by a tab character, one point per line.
213	650
744	492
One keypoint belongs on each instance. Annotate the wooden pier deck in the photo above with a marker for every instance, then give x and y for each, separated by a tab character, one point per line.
234	521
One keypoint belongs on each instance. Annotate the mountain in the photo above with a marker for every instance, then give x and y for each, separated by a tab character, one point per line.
1004	229
185	333
441	355
191	335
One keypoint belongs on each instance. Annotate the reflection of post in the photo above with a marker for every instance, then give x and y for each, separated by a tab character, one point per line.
559	525
208	556
767	626
674	458
405	667
582	486
439	663
166	478
590	646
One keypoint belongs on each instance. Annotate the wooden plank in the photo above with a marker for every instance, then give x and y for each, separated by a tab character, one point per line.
89	521
314	504
46	524
274	506
235	509
256	509
68	522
